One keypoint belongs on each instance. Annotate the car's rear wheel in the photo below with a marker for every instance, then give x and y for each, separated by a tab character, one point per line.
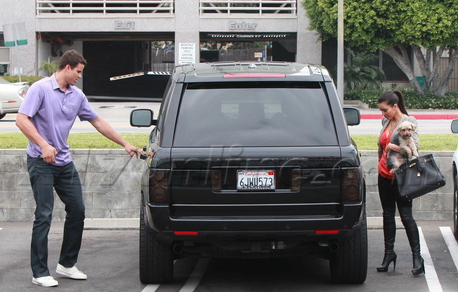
156	257
455	207
2	116
349	264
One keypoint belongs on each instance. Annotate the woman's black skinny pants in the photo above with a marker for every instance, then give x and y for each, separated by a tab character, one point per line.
389	197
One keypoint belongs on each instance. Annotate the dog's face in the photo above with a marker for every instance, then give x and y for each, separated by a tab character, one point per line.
406	130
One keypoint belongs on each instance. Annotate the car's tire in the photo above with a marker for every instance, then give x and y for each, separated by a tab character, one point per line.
156	257
348	264
2	116
455	207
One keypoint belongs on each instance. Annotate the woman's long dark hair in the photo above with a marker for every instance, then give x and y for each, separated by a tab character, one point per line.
393	97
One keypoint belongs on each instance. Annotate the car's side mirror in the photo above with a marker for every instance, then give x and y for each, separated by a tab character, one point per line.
142	118
454	126
352	116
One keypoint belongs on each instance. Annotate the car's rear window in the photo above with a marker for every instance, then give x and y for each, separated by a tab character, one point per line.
254	114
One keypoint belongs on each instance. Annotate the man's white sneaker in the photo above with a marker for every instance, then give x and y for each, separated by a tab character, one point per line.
72	272
46	281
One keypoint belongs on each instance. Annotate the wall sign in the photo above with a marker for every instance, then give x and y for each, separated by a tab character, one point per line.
124	25
187	53
242	25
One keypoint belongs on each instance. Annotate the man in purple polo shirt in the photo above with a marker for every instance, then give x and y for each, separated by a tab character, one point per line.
46	117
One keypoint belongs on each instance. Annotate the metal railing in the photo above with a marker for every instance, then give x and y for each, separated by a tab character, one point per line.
95	8
256	8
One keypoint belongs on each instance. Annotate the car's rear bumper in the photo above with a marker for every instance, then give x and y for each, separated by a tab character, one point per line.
278	227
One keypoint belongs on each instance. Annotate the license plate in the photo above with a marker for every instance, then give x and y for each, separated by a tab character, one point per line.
255	180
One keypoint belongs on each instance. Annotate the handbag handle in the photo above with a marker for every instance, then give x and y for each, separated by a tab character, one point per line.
417	162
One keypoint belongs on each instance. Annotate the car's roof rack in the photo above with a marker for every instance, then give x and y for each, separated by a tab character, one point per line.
211	68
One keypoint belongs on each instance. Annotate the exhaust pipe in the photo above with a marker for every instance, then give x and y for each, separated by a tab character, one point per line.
334	246
177	248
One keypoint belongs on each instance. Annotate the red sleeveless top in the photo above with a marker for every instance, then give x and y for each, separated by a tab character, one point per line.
383	170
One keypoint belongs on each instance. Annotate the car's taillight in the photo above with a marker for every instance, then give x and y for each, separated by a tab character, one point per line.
159	185
186	232
327	231
22	92
352	184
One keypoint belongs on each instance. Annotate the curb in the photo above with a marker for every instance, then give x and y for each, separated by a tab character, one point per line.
111	223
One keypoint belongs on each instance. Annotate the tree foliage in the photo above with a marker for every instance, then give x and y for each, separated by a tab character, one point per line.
393	26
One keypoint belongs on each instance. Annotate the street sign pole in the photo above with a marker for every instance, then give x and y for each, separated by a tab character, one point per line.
340	50
16	53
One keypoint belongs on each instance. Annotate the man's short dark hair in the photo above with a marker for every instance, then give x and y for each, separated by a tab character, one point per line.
72	58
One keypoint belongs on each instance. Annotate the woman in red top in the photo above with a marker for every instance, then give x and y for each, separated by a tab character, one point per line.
391	104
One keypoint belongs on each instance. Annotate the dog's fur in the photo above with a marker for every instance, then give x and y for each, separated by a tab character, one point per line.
403	138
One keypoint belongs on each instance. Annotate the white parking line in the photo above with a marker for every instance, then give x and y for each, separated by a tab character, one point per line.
196	275
193	280
151	288
451	243
430	272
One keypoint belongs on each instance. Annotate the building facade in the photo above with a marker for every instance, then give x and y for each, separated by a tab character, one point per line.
125	36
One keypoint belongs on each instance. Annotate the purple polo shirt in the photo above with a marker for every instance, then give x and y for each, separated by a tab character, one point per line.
53	113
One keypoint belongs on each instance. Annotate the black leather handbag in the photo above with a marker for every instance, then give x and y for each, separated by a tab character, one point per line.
418	176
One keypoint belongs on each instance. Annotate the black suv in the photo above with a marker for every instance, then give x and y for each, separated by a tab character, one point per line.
252	159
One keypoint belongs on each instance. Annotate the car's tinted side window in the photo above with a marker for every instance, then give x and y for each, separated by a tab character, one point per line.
254	116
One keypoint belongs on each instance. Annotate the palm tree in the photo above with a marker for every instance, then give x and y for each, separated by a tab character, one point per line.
49	67
360	74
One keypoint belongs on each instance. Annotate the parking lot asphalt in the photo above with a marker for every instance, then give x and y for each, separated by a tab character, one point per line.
110	259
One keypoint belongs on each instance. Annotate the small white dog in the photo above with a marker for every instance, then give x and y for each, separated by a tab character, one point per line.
403	138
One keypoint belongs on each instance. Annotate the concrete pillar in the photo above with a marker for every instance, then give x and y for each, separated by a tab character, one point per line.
187	27
308	44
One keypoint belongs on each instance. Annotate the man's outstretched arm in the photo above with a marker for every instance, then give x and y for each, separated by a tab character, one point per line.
105	129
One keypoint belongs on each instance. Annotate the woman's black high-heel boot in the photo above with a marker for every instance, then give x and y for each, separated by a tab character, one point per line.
390	256
414	240
389	234
418	265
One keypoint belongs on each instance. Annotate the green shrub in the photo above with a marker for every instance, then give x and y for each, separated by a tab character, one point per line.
412	99
29	79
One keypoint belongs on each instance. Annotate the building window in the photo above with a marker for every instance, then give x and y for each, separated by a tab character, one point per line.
216	46
213	51
392	71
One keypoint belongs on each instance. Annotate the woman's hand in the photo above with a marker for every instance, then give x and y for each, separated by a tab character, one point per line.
392	147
